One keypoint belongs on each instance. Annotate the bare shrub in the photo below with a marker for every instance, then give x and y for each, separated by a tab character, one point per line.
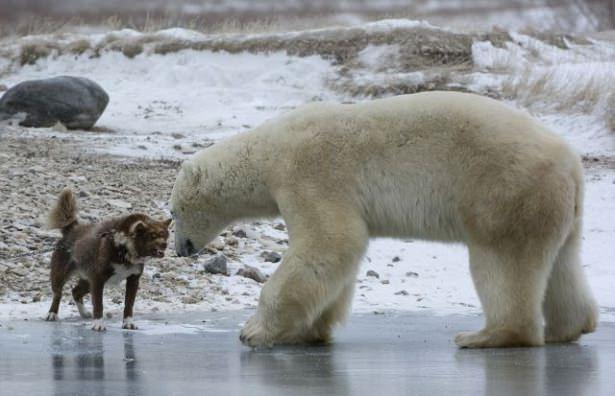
33	51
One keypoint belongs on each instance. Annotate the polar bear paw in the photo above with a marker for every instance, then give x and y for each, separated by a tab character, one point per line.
255	335
497	339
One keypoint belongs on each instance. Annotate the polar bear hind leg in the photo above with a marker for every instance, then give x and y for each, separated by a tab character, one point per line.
511	288
336	313
569	307
308	292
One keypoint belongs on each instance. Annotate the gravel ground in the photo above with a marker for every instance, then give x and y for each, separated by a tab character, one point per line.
34	171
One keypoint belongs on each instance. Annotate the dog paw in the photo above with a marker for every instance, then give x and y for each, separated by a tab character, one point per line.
51	317
129	324
98	325
255	335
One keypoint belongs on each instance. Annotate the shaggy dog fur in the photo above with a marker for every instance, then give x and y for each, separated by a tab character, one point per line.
110	251
441	166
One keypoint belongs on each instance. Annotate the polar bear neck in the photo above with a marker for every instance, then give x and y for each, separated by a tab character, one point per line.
231	180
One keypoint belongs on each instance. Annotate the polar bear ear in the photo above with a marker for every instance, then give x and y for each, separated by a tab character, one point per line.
191	172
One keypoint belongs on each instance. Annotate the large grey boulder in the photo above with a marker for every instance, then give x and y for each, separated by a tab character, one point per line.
76	102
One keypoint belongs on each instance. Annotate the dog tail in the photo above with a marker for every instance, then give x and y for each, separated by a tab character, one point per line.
64	214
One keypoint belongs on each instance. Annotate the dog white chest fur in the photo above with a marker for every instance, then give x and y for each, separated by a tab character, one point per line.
439	166
122	272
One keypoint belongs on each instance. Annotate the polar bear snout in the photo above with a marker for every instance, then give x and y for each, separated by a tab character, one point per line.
184	247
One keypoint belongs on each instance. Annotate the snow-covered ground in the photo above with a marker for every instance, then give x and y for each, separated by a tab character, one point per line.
170	105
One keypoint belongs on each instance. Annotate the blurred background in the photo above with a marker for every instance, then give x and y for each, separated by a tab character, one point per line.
43	16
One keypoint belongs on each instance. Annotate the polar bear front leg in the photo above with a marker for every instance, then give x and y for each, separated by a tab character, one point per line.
511	289
321	260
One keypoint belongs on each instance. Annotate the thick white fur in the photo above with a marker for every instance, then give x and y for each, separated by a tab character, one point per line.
440	166
129	323
99	325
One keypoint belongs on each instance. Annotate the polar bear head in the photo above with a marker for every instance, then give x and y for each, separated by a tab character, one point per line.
195	207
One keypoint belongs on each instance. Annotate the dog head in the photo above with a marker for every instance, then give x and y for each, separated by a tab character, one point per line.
143	236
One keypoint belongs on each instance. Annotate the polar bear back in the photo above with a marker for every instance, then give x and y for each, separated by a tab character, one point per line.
435	165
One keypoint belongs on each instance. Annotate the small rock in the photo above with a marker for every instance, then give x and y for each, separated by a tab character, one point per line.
252	273
280	226
76	102
59	127
396	259
372	273
385	281
119	203
189	300
176	135
83	194
217	244
216	265
240	233
412	274
271	257
232	241
402	293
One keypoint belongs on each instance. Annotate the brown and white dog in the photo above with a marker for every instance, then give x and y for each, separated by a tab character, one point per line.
101	253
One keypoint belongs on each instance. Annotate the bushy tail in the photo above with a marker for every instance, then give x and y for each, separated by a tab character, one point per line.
64	214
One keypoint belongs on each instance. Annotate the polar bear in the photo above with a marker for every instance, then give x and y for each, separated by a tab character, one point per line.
441	166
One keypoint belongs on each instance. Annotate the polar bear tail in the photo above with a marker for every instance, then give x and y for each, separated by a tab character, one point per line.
64	214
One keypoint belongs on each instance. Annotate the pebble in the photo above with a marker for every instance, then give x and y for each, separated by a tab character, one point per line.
216	265
217	244
412	274
232	241
271	257
252	273
119	203
373	274
402	293
189	300
239	233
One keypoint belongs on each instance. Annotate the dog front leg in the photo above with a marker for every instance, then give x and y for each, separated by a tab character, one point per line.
96	291
132	285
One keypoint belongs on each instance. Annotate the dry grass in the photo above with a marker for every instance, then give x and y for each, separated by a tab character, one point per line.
248	23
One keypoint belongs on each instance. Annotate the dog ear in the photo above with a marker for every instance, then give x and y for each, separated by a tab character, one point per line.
137	228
